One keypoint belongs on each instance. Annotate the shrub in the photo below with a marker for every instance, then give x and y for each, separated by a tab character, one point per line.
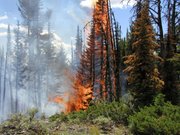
116	111
32	112
94	131
161	118
80	115
101	120
21	124
58	117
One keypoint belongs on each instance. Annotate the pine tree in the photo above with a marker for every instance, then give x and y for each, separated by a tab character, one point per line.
7	87
20	64
82	93
89	54
130	40
99	48
78	47
156	12
143	76
102	57
170	74
106	49
118	55
31	13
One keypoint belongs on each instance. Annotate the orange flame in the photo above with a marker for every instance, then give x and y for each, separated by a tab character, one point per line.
79	98
58	99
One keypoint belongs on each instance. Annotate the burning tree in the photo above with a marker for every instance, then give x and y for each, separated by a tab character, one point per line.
82	92
98	74
103	46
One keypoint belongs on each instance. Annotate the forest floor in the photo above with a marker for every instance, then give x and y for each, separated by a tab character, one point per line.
101	118
23	126
89	129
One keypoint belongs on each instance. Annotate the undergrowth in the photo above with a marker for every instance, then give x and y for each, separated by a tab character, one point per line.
116	118
118	112
161	118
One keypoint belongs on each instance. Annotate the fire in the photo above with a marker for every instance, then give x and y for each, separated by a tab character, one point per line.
58	99
78	98
82	93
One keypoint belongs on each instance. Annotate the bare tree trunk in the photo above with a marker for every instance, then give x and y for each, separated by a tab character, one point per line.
10	89
1	73
173	25
4	88
102	68
161	34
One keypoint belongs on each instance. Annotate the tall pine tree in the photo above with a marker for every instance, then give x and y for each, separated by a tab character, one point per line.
143	76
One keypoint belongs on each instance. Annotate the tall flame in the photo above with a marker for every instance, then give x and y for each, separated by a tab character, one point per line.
78	99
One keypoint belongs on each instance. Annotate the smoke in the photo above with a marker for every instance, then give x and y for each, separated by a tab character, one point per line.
66	16
88	3
54	81
114	3
4	17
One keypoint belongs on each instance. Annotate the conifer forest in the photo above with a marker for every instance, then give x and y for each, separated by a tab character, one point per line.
76	67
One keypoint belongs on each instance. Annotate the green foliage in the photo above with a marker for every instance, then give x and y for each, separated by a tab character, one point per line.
56	117
43	116
102	117
94	131
161	118
32	112
121	130
172	79
101	120
115	111
77	116
74	117
21	124
175	60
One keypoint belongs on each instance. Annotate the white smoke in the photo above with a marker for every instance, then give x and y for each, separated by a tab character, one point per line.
114	3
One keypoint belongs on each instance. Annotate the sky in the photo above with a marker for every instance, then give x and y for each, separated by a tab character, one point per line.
66	16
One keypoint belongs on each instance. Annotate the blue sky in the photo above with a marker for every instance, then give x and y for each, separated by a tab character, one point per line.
67	14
